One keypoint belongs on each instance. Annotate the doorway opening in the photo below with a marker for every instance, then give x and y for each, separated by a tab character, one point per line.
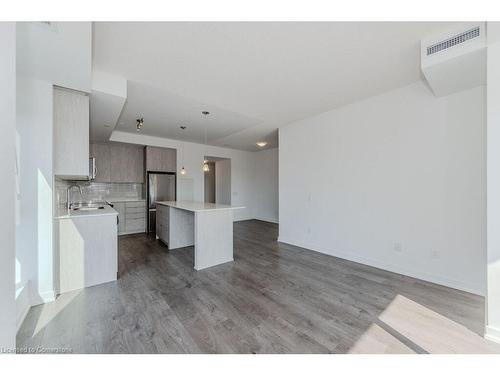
217	180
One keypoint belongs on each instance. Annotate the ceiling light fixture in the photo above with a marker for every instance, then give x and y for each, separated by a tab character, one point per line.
140	123
261	144
206	168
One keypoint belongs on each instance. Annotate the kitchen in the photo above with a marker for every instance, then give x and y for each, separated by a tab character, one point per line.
117	196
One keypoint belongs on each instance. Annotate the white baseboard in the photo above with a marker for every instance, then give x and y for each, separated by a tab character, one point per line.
267	220
48	296
23	304
436	279
241	219
492	334
44	297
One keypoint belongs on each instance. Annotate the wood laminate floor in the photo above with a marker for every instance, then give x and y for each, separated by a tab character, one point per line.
274	298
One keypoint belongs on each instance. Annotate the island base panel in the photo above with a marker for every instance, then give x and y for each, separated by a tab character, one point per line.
213	232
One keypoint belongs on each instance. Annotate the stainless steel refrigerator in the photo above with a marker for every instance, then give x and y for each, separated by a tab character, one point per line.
161	187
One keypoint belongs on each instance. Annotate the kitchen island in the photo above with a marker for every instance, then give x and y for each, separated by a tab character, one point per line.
207	226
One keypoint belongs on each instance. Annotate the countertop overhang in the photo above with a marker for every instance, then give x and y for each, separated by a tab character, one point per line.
64	213
198	206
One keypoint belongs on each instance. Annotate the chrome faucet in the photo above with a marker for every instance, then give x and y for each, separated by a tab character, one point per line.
68	202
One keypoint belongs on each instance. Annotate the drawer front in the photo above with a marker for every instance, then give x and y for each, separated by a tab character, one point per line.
138	215
140	204
135	225
133	210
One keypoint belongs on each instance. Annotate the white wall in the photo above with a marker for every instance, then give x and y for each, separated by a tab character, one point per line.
403	168
46	56
34	229
266	185
242	167
60	53
493	147
7	187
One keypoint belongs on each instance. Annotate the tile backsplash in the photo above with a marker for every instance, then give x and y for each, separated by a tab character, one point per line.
96	191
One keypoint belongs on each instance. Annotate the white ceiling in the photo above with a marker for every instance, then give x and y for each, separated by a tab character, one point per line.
165	112
253	77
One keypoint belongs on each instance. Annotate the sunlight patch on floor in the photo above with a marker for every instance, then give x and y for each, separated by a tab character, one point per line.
377	340
421	327
52	309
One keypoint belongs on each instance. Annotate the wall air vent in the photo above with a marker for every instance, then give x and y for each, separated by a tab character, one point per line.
455	59
453	41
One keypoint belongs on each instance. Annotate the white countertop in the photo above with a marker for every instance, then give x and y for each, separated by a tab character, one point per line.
118	200
64	213
198	206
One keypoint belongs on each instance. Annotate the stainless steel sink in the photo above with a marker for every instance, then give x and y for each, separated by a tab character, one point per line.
87	206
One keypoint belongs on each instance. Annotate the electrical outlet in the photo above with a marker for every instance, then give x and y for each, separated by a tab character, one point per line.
398	247
434	254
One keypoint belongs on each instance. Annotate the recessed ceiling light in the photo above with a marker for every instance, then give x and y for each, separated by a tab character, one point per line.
261	144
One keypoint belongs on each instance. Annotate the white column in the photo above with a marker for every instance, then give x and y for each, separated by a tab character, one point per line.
7	187
492	330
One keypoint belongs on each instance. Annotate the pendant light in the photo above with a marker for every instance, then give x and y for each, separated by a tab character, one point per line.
140	123
183	170
206	168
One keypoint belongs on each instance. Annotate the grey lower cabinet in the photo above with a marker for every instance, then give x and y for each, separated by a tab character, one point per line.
118	162
160	159
131	216
162	223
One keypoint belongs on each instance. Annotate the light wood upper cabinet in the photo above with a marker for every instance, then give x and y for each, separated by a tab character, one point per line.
101	153
139	165
159	159
118	162
126	163
71	133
